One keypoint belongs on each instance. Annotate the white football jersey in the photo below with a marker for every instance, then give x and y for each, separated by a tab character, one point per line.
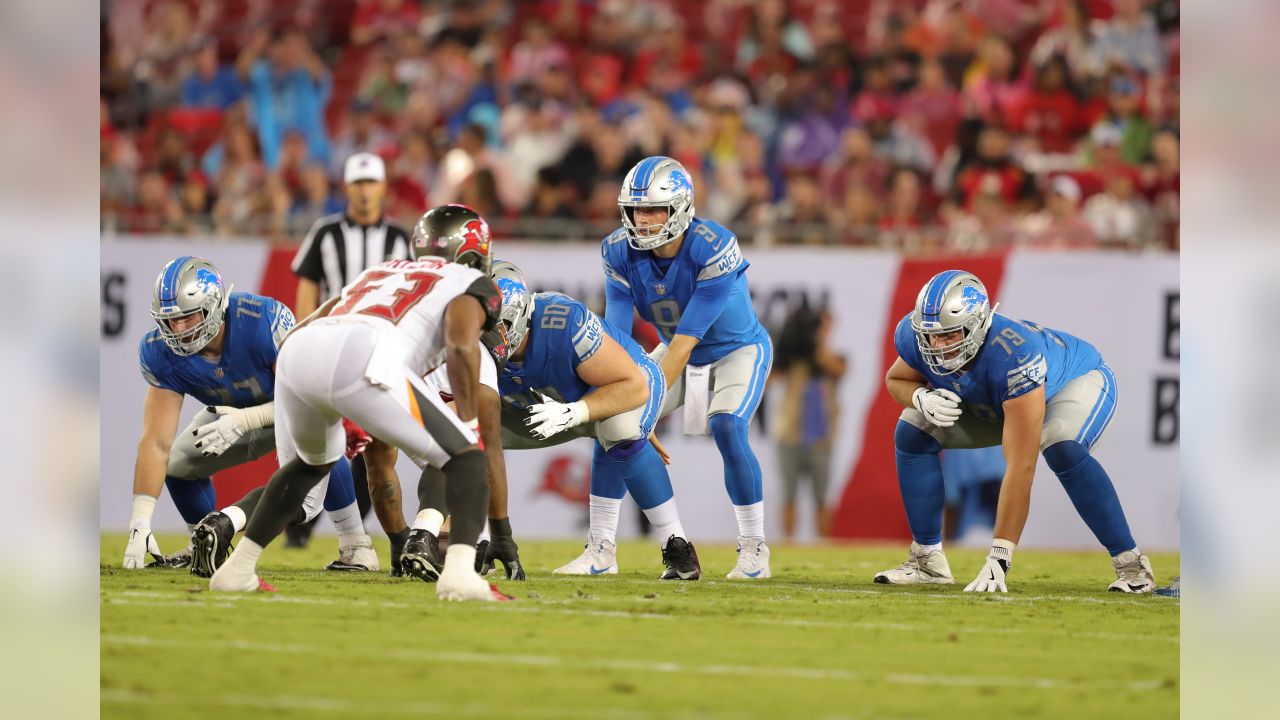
406	300
438	379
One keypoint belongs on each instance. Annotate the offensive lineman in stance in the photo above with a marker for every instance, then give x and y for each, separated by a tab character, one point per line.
970	377
362	355
686	276
219	347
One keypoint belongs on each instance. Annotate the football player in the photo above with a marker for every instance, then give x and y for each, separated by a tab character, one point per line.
362	356
567	369
970	377
219	347
458	234
687	276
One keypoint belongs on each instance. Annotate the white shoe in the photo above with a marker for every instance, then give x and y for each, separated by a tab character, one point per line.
921	568
600	557
355	553
467	585
753	560
233	577
1133	573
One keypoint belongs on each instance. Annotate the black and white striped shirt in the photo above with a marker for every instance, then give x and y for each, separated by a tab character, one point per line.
337	249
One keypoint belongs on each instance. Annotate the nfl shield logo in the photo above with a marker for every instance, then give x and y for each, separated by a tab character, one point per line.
660	289
218	373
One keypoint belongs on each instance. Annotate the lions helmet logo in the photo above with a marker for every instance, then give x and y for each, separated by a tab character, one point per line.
972	297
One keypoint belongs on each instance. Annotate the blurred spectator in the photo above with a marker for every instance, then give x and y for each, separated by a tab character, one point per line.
382	86
988	225
1050	114
197	205
933	107
806	421
473	154
289	89
480	193
904	212
539	138
1161	179
315	201
858	214
535	53
1119	215
1129	40
1059	225
173	158
802	214
772	27
992	87
993	172
1070	39
157	210
811	138
239	176
893	140
1122	114
384	19
211	84
360	134
549	197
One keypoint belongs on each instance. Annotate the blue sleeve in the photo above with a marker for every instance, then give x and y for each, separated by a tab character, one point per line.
904	341
587	334
277	321
1021	366
152	370
190	96
619	305
708	301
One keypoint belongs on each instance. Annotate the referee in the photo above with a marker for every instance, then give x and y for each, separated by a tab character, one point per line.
337	249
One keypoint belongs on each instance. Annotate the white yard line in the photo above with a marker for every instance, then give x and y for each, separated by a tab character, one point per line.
609	663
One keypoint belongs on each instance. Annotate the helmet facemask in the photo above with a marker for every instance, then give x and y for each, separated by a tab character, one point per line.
650	237
954	303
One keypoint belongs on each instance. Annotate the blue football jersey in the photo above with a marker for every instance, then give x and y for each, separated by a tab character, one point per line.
244	375
563	334
1018	357
702	292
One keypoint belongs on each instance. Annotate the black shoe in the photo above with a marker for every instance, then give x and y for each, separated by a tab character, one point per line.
421	557
176	561
482	551
681	560
210	544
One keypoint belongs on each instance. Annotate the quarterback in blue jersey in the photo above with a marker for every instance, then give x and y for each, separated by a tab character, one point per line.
567	368
687	276
218	347
970	377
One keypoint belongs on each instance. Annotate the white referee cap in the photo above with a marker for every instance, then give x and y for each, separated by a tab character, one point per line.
364	166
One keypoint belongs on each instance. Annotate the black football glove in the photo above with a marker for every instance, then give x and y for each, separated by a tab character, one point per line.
502	548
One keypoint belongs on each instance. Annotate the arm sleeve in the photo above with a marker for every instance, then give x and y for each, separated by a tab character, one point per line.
708	301
619	307
588	334
282	321
151	373
307	263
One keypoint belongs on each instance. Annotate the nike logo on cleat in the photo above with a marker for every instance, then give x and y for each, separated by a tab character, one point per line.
752	574
594	571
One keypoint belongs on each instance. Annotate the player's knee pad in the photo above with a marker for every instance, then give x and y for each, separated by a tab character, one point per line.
1065	456
728	429
627	449
908	438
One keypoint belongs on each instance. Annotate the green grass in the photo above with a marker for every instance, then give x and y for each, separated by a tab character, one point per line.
819	640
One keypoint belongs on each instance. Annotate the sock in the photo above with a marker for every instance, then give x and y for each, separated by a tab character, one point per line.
360	483
342	489
742	477
237	516
248	504
930	548
246	553
920	481
484	534
460	557
641	469
429	520
398	539
750	519
467	493
604	517
1092	494
193	498
431	491
282	500
666	521
347	520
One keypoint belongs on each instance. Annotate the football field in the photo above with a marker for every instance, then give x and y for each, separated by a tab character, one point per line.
819	640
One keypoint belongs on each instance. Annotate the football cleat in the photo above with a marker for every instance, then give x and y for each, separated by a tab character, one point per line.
681	560
1173	589
176	561
599	557
1133	573
422	557
753	560
355	556
921	568
235	577
482	549
458	586
210	544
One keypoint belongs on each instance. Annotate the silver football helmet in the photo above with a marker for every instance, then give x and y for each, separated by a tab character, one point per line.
189	286
952	300
517	301
656	181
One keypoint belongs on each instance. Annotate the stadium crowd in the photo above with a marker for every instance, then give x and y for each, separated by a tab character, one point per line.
921	125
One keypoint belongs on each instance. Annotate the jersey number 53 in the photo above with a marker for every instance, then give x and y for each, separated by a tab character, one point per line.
374	294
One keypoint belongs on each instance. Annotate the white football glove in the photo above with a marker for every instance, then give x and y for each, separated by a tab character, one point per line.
141	542
550	417
217	436
941	407
992	576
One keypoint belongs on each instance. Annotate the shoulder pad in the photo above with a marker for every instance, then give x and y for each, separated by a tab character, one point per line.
615	237
714	250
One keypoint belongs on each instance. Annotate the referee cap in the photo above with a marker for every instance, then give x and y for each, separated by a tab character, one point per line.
364	166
